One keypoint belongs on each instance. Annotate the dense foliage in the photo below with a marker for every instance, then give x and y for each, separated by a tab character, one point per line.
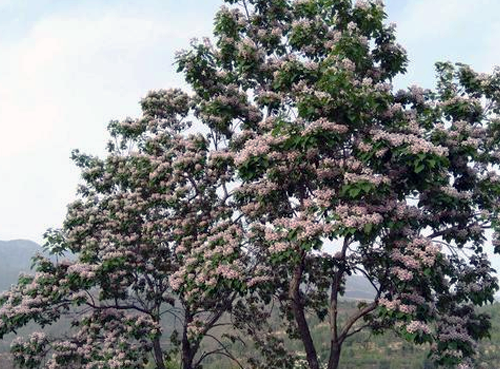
310	168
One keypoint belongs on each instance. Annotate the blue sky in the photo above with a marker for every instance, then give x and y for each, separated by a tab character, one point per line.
68	67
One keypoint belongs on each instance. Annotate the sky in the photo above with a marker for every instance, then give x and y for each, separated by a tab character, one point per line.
69	67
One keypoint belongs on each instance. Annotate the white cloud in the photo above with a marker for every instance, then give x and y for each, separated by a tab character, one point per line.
64	67
61	84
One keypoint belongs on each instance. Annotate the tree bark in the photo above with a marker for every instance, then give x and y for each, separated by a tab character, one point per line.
333	361
158	353
186	349
335	345
299	315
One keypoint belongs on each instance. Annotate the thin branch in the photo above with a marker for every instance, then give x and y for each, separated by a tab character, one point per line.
450	247
484	225
357	330
369	279
221	324
90	295
118	307
170	311
246	9
354	318
221	351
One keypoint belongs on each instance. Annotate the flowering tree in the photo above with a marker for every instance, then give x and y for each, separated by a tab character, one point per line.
399	186
311	168
151	236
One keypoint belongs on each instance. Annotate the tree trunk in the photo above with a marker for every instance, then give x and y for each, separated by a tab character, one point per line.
186	349
158	353
336	339
333	361
335	344
187	358
300	318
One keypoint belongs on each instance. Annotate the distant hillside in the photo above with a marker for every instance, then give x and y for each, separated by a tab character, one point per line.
358	288
15	257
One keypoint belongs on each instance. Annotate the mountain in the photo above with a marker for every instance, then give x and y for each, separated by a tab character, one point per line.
358	288
15	257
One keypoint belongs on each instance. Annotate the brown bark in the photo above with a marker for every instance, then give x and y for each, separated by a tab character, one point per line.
187	352
299	315
334	359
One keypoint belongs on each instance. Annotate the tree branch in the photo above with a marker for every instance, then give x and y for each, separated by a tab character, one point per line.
221	351
354	318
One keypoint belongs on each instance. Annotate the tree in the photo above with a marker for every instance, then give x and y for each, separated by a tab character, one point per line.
307	149
404	184
151	237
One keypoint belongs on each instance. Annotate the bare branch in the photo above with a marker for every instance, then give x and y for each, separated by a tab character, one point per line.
223	350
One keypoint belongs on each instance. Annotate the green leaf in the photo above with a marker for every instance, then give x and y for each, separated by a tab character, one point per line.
419	168
354	192
366	186
368	228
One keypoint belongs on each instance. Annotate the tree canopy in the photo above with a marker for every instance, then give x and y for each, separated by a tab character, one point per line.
307	167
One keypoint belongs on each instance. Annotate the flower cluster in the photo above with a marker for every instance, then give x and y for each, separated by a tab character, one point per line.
356	216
